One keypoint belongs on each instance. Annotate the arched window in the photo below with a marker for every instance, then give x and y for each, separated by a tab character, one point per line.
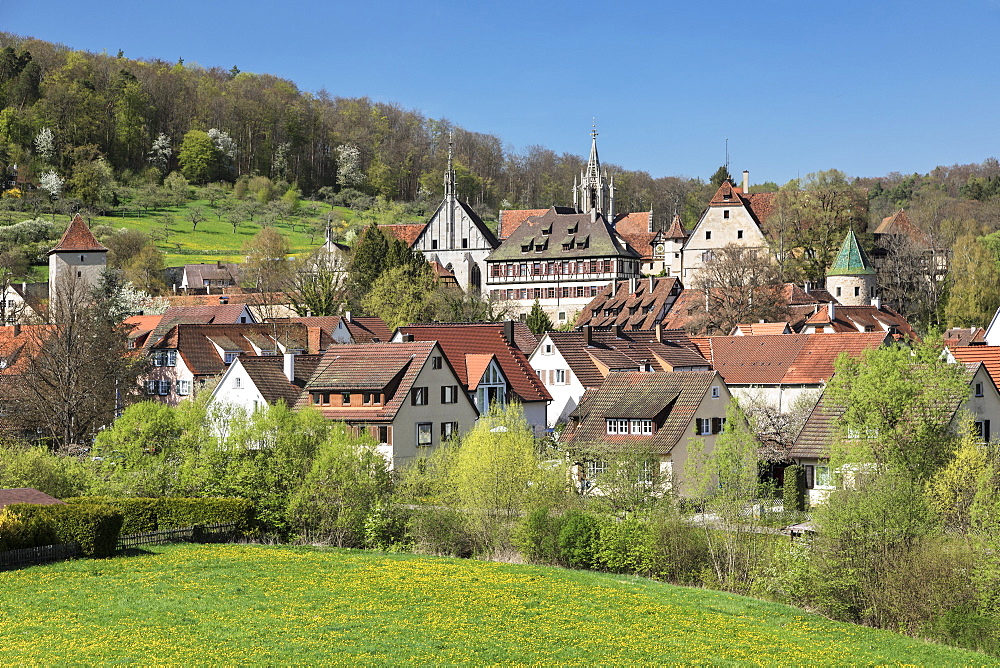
474	278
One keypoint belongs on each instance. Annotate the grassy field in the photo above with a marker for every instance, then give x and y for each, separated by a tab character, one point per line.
214	238
238	604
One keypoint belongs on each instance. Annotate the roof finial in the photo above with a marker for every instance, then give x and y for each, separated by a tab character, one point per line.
449	177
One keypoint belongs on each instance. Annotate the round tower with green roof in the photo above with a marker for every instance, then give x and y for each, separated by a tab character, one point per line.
851	278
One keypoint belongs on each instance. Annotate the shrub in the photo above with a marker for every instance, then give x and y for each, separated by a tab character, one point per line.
385	527
537	536
676	551
623	546
144	515
95	528
579	534
794	490
442	532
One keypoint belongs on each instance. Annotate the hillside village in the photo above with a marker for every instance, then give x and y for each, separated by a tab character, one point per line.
775	391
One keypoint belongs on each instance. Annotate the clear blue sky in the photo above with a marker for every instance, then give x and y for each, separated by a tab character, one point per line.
796	87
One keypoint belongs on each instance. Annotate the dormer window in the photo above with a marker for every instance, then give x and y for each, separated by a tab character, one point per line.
572	228
230	356
547	230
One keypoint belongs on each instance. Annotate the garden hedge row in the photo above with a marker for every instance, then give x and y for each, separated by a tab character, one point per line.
160	514
95	528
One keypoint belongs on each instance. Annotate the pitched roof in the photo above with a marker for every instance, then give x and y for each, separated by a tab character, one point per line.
669	399
899	224
759	205
268	375
761	328
408	233
17	348
483	228
676	230
196	343
818	432
368	329
553	231
851	260
207	314
964	336
351	367
988	355
510	220
650	305
77	238
458	340
640	222
864	319
197	274
27	495
783	359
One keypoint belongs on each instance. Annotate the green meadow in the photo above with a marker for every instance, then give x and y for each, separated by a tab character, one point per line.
251	604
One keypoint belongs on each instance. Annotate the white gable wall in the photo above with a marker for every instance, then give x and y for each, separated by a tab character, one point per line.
546	360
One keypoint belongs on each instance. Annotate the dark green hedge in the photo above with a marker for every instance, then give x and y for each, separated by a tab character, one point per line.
145	515
94	527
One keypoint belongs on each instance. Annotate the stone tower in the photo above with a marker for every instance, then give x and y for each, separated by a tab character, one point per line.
593	194
75	264
851	278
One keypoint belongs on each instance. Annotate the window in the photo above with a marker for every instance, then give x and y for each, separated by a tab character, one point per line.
810	471
150	387
550	293
718	424
465	242
709	426
596	468
983	429
345	398
164	387
434	244
448	430
547	350
371	399
739	234
857	291
725	213
425	432
715	392
838	291
230	356
418	396
184	387
562	314
708	235
617	426
560	377
979	389
383	434
823	478
449	394
171	358
642	427
79	274
237	382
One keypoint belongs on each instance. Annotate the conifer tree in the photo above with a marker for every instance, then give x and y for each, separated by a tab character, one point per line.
538	322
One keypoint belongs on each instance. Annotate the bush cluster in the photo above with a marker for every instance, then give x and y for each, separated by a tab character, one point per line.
95	528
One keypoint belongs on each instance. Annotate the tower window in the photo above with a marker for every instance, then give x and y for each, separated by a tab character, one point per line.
857	291
82	258
79	274
739	234
708	235
465	242
725	213
838	290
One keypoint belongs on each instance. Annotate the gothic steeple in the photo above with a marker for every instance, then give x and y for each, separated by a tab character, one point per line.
595	193
450	200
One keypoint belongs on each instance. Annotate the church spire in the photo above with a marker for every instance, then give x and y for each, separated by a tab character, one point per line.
594	190
449	176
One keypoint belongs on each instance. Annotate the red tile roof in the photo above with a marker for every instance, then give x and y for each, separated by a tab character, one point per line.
198	344
988	355
76	238
783	359
207	314
651	305
27	495
760	328
268	375
16	349
353	367
760	205
510	220
457	340
862	318
899	224
676	230
408	233
635	223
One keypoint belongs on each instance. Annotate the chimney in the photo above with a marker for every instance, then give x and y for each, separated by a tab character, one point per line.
17	329
746	182
314	339
632	284
614	288
588	335
508	332
218	263
831	311
289	367
659	331
593	214
619	329
651	282
877	303
347	316
807	286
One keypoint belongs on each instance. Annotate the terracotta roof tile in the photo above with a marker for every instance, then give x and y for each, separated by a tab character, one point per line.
899	224
78	237
475	367
676	230
863	318
194	342
761	328
988	355
268	375
408	233
818	432
651	305
510	220
27	495
460	339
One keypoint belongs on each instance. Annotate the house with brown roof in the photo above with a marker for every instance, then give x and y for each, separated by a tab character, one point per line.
27	495
570	363
897	231
733	216
75	263
489	363
16	307
253	382
188	356
781	369
823	427
207	276
406	396
874	318
656	413
633	304
957	337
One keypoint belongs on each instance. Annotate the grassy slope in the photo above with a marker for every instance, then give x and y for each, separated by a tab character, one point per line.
213	235
252	604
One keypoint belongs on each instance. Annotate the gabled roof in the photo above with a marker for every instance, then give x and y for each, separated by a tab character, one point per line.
16	349
758	205
783	359
585	238
761	328
989	356
637	231
864	318
650	304
964	336
268	375
669	399
408	233
27	495
78	238
899	224
353	367
196	343
208	314
368	329
491	238
851	260
510	220
197	274
676	230
458	340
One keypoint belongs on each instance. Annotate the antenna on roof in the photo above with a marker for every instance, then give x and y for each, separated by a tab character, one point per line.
727	154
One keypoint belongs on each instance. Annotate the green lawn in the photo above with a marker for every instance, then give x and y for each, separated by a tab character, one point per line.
214	238
245	604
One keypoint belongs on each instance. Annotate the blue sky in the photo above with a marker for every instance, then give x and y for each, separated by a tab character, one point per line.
796	87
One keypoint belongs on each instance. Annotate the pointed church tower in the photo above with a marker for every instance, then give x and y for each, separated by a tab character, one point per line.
595	193
851	278
75	263
450	198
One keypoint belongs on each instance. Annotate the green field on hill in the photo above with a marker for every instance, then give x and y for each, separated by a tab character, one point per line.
250	604
213	239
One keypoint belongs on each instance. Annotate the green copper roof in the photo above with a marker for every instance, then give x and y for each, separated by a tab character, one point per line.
851	260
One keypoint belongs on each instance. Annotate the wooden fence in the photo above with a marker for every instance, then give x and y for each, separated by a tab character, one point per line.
204	533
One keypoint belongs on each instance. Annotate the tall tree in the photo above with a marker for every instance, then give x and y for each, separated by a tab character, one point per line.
738	285
538	321
975	292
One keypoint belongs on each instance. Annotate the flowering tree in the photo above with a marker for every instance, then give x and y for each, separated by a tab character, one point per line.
349	172
45	144
161	151
51	183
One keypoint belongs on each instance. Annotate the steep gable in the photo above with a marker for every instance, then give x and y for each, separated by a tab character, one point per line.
78	238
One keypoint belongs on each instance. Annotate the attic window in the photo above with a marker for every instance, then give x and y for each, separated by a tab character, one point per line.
979	389
230	357
708	235
739	234
725	213
547	230
572	228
